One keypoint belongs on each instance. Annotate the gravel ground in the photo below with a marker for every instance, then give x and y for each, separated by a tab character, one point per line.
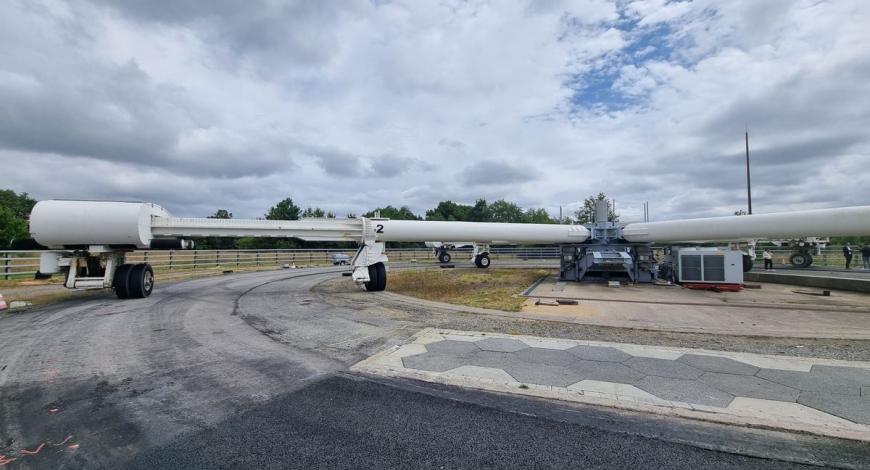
340	292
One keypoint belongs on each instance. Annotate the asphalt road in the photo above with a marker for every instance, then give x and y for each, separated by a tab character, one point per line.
241	371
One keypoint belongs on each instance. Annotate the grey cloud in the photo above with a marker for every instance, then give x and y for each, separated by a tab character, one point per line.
390	166
338	163
494	172
300	31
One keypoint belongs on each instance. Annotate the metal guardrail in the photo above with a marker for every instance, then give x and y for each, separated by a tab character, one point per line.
24	264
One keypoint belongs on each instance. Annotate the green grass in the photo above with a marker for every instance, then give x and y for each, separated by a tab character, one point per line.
492	288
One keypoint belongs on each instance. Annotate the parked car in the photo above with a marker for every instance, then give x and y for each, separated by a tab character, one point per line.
339	259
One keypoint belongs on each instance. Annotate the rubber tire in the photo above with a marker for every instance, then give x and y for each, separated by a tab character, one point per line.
800	260
747	263
482	260
377	278
444	257
382	275
141	281
121	281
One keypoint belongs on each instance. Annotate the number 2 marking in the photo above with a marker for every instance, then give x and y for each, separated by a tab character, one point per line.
379	229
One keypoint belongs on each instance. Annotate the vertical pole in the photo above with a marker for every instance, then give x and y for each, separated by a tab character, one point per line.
748	180
170	259
5	266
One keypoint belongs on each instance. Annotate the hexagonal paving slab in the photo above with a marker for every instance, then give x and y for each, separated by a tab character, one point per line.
812	382
718	364
855	409
749	386
501	344
663	368
541	374
553	357
491	359
452	347
606	371
687	391
599	353
851	374
433	362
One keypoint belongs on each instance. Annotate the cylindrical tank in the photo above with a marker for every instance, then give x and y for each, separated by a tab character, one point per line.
482	232
59	224
843	221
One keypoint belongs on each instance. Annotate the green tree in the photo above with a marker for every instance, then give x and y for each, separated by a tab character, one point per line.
217	243
448	210
390	212
479	212
538	216
284	210
316	212
19	204
586	214
14	213
11	227
504	211
221	214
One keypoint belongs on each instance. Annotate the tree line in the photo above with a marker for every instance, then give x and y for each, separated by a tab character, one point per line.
15	211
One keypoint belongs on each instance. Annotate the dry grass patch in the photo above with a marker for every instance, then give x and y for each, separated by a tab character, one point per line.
492	288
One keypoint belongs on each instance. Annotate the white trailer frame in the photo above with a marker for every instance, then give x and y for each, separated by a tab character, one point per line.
92	236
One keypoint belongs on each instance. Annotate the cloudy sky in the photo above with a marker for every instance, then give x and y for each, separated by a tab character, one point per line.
349	105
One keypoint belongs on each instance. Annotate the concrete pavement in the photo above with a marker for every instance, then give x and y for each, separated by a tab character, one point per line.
824	397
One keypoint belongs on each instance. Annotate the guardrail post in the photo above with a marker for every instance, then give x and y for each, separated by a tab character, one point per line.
144	256
237	258
5	265
194	258
217	258
170	259
276	257
258	258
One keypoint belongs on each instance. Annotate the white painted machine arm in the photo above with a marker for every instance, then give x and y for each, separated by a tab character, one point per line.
844	221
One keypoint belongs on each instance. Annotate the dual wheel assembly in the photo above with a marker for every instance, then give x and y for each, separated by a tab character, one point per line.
133	281
377	278
481	260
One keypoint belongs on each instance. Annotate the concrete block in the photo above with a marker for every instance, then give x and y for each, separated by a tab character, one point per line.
599	353
501	344
688	391
749	386
718	364
663	368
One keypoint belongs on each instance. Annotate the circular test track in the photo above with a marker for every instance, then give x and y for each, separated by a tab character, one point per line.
121	377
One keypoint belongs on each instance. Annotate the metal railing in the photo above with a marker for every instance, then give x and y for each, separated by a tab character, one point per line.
24	264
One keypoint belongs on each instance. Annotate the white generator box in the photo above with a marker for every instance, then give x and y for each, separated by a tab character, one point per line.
710	265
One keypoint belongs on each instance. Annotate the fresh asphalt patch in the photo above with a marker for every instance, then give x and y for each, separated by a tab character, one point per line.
351	422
